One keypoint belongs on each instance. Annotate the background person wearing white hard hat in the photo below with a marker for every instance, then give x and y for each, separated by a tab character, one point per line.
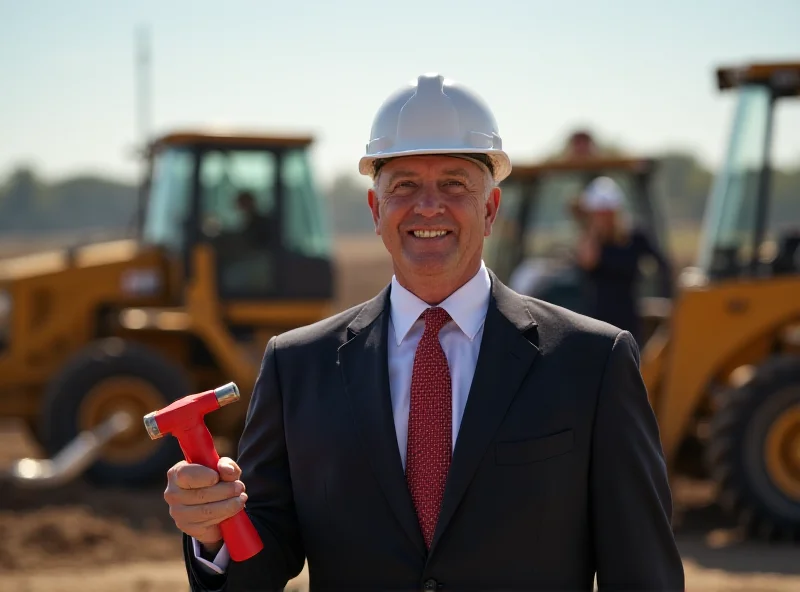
610	251
448	434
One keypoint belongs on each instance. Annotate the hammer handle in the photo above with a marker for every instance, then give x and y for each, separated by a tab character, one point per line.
238	532
198	446
240	536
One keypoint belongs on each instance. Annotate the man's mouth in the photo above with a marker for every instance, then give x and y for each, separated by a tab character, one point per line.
429	233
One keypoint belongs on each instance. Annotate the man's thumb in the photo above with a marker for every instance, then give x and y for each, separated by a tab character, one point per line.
227	469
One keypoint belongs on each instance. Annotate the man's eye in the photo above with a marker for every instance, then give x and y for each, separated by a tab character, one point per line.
403	185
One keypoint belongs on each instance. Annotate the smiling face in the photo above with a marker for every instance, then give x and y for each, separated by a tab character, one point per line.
432	213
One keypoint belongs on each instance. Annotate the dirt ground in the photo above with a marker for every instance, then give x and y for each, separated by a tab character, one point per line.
80	538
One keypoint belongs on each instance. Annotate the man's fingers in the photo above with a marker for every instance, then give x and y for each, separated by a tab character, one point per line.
216	493
199	499
188	476
228	469
215	522
207	514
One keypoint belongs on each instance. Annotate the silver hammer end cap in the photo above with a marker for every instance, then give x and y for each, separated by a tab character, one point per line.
151	426
226	394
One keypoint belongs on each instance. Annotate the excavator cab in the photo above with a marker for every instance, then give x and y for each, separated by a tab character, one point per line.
743	235
233	247
724	376
251	202
536	231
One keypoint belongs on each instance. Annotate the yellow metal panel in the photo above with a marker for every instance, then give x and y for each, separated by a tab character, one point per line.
211	137
54	313
709	327
733	76
34	265
106	253
277	313
590	164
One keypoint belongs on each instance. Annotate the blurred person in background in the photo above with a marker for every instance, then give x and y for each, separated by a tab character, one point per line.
610	252
257	227
580	145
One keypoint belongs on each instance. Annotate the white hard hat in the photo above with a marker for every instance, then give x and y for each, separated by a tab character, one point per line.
435	116
603	194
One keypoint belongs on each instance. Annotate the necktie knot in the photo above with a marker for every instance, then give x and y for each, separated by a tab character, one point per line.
435	318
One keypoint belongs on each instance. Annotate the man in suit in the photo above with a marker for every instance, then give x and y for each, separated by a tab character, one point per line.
448	434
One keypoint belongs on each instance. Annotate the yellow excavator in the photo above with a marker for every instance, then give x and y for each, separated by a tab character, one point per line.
232	247
724	373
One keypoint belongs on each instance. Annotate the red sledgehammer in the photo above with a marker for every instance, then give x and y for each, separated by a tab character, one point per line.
184	420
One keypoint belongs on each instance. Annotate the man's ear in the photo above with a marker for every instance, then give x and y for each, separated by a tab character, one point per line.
492	207
372	200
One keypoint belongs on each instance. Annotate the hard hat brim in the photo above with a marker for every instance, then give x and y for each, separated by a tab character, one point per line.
501	163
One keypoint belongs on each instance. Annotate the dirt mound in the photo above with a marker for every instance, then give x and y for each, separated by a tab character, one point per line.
79	525
68	536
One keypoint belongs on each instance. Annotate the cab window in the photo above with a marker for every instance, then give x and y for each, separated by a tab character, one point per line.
306	223
238	217
169	200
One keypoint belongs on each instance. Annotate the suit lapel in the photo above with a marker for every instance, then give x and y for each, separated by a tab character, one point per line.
504	360
363	360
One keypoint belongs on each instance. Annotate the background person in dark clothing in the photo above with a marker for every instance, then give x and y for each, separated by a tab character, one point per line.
257	227
609	253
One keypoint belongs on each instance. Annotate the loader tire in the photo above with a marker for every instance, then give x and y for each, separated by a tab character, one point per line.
754	451
107	376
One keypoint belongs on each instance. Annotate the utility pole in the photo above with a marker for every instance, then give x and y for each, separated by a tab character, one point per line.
142	67
143	64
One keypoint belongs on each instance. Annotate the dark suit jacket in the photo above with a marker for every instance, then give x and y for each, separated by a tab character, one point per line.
557	472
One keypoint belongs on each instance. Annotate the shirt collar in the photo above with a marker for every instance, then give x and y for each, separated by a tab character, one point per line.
466	306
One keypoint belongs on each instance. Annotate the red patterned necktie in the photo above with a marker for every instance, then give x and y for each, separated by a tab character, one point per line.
429	424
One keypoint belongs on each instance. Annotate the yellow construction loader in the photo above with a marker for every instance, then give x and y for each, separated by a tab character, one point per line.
232	247
724	373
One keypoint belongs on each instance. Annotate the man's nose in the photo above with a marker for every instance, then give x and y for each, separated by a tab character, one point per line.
429	202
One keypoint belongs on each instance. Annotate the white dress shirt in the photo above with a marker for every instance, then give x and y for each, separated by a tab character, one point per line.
460	339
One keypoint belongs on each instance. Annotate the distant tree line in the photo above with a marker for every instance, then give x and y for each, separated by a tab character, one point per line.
29	205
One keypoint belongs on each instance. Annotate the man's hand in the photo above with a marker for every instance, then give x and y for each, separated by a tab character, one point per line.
199	499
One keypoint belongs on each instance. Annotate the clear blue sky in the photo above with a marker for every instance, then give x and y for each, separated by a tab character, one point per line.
637	71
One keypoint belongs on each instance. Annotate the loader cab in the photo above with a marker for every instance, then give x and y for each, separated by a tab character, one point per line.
251	202
751	226
534	234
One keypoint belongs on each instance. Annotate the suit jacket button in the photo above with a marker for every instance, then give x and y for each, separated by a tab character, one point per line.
429	584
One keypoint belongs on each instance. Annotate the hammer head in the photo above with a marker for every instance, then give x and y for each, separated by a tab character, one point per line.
188	411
